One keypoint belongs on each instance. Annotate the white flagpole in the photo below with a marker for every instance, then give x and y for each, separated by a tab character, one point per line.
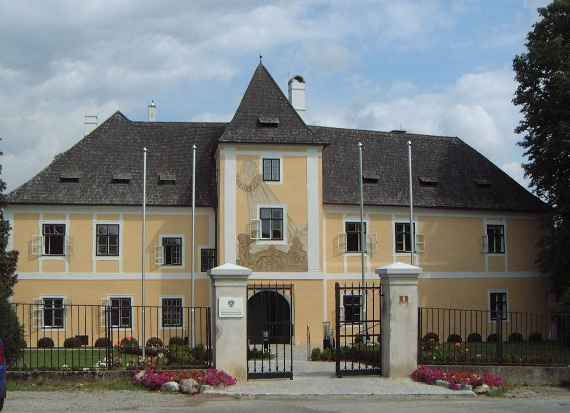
412	229
143	244
194	147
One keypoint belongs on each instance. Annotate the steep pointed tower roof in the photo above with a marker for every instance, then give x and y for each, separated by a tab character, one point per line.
266	116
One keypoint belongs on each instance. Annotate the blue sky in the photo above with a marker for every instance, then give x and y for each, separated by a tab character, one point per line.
441	67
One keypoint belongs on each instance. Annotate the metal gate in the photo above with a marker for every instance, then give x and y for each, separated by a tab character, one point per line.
269	330
358	334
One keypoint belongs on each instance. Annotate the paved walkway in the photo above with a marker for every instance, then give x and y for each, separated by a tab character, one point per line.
314	379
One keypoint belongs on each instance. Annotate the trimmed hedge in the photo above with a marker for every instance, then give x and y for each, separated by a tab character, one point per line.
45	342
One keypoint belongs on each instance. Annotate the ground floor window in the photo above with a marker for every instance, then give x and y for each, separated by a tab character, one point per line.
207	259
498	304
172	312
53	312
352	308
121	312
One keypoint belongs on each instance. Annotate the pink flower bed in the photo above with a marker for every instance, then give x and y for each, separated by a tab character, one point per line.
456	380
153	380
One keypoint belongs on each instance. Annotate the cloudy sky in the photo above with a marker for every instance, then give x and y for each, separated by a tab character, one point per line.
441	67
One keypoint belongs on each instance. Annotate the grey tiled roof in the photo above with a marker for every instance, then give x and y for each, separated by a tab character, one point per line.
449	168
115	149
454	165
263	99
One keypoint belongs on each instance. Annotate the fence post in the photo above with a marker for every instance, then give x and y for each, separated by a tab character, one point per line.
337	328
229	303
399	321
499	328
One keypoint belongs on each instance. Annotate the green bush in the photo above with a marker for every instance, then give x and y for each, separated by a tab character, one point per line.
516	338
316	354
454	338
535	338
72	342
327	355
129	345
492	338
179	355
102	342
177	341
10	332
200	353
45	342
154	346
429	341
474	338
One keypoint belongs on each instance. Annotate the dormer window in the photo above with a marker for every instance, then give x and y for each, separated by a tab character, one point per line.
69	177
428	181
271	121
271	169
166	179
122	178
482	182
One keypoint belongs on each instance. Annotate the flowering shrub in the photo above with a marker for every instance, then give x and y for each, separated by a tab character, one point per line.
129	345
153	380
456	380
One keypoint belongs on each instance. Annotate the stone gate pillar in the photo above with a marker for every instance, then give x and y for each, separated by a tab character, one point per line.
399	319
229	314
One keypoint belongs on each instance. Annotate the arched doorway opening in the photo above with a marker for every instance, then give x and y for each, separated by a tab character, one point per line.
269	318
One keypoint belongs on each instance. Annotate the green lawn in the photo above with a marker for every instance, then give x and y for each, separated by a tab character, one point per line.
39	385
481	353
75	359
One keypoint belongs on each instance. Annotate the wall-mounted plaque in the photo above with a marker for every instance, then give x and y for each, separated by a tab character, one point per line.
230	307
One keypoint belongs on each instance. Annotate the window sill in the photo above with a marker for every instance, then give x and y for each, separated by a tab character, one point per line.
53	257
271	242
355	254
107	258
495	254
171	328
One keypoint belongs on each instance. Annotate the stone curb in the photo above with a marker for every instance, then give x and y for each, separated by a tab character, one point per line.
459	394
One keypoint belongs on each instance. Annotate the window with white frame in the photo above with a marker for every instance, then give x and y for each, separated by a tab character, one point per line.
121	312
54	312
352	306
53	239
172	250
172	312
271	169
354	236
498	304
107	240
495	239
403	237
271	220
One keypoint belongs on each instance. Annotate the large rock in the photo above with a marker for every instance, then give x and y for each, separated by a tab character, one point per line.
170	386
482	389
189	386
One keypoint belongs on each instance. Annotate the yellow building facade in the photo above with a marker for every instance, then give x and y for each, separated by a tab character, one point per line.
264	202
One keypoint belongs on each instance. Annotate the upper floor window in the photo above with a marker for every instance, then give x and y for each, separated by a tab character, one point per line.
404	237
271	170
53	239
53	310
496	239
107	240
207	259
172	312
121	312
271	223
498	304
172	250
354	236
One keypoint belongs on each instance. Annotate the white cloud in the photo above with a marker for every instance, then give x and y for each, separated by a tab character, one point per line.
477	108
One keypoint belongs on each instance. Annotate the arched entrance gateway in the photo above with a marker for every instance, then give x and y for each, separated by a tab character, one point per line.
270	330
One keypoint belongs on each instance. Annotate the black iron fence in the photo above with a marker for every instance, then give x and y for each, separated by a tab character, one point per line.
456	336
60	335
358	328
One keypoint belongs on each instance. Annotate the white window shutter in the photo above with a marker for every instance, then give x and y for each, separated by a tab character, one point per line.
37	314
484	244
37	245
103	304
255	229
372	242
420	243
68	246
341	240
159	255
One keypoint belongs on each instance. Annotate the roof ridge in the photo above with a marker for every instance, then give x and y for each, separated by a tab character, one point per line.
385	132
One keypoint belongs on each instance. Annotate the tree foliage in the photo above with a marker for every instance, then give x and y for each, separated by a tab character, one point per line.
543	95
10	329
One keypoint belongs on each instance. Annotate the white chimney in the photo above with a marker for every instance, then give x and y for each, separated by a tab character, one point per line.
152	111
297	94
